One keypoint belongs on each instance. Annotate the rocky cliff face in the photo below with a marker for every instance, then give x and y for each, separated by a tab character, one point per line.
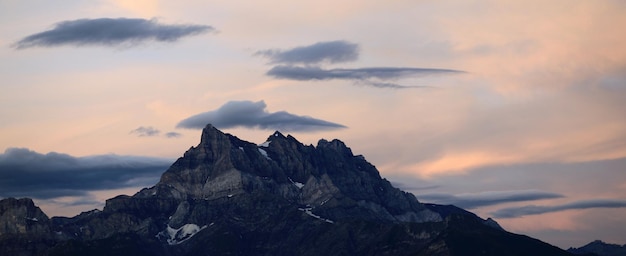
21	223
231	197
327	178
21	216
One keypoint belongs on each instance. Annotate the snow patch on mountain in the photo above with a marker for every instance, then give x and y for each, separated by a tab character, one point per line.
177	236
297	184
309	211
264	153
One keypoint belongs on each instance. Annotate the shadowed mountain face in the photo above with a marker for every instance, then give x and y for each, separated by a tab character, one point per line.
231	197
599	248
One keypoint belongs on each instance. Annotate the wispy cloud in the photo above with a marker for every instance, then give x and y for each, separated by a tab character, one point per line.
403	186
514	212
87	199
254	115
475	200
304	64
149	131
173	135
146	131
25	173
316	73
110	32
331	52
391	85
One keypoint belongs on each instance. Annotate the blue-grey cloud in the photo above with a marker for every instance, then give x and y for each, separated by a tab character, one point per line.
110	32
330	52
145	131
390	85
83	200
173	135
514	212
302	64
149	131
254	115
406	187
306	73
25	173
475	200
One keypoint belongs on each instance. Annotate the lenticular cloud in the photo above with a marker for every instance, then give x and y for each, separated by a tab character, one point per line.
254	115
304	63
331	52
110	32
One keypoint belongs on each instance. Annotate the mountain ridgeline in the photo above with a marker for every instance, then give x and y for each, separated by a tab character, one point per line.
599	248
227	196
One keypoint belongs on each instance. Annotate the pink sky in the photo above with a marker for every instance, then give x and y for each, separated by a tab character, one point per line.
540	106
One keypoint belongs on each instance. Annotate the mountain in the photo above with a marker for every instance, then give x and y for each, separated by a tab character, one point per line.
21	222
600	248
227	196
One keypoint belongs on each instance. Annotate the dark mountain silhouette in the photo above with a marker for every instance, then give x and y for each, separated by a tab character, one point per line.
227	196
600	248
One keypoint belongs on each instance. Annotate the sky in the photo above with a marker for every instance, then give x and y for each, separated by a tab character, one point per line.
511	109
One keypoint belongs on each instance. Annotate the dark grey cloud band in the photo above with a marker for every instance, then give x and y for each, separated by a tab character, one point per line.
110	32
331	52
254	115
25	173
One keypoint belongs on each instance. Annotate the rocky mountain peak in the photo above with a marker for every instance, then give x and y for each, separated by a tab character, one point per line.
335	145
209	132
277	134
282	141
227	196
21	216
330	176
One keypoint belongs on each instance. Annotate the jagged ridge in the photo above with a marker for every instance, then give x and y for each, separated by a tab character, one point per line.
228	196
322	177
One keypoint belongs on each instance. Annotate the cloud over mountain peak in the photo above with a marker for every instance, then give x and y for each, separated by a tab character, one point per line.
251	114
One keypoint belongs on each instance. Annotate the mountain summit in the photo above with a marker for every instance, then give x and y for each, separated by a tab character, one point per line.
227	196
326	179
